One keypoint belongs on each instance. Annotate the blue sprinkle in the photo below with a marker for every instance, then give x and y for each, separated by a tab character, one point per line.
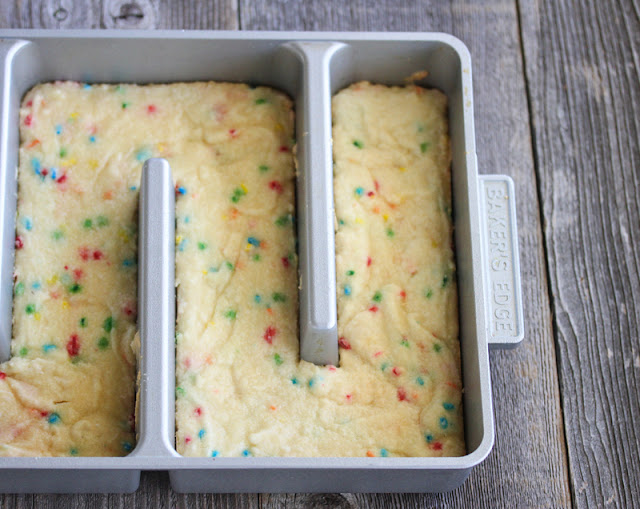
53	174
35	164
384	453
143	154
444	423
129	262
428	437
257	299
182	245
311	382
92	139
187	219
201	433
127	446
36	285
48	347
214	454
294	381
419	381
58	129
133	188
246	453
53	418
253	241
347	290
86	86
182	190
213	269
359	191
448	406
27	223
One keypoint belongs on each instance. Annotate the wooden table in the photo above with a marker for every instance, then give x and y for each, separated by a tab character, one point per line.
557	107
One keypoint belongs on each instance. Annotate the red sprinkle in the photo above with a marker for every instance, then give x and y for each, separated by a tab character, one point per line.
285	262
27	120
343	343
73	345
284	148
62	179
29	104
348	396
403	294
198	411
19	243
371	194
98	255
269	334
44	172
129	308
151	108
396	371
187	440
378	353
373	309
78	273
44	413
332	368
3	375
375	183
275	186
233	133
368	261
402	394
437	446
84	253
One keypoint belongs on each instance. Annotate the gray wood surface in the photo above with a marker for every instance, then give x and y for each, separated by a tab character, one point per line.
583	73
557	103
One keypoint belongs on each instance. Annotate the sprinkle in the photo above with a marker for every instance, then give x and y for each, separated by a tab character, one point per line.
73	451
57	234
257	299
28	120
48	347
448	406
108	324
424	147
343	343
445	281
202	246
214	454
201	433
402	394
180	391
390	232
246	453
24	351
437	446
125	105
53	418
404	342
3	375
127	446
384	453
133	188
263	168
276	186
428	437
279	297
253	241
261	101
19	289
58	129
284	220
359	191
419	381
30	309
230	314
370	454
373	309
151	109
73	345
75	288
269	334
198	411
377	297
444	423
238	193
294	380
83	321
347	290
368	261
350	273
102	221
143	154
437	347
128	262
278	360
285	262
428	293
283	148
63	153
311	382
396	371
358	144
103	343
87	224
92	139
98	255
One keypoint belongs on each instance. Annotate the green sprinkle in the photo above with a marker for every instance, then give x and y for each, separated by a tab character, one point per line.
428	293
229	265
350	272
384	366
283	220
341	222
30	309
57	234
230	314
24	351
437	347
445	281
63	152
278	360
73	451
377	297
102	221
19	289
390	233
256	257
261	101
358	144
424	147
125	106
83	321
279	297
75	288
202	246
180	391
404	343
88	223
108	324
238	193
263	167
103	343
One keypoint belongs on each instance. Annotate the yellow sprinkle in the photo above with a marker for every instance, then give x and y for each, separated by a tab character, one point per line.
160	147
205	272
211	323
36	315
123	235
435	243
279	127
385	217
248	247
359	220
93	163
244	188
65	304
178	239
69	162
53	279
402	168
74	115
225	217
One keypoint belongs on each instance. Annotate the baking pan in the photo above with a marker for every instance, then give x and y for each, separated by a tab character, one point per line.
310	67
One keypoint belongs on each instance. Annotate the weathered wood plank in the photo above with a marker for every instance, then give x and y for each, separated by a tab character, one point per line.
582	67
528	465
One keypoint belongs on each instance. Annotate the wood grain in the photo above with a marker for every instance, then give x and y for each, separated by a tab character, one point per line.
582	67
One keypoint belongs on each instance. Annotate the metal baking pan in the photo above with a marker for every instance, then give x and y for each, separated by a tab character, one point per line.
310	67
